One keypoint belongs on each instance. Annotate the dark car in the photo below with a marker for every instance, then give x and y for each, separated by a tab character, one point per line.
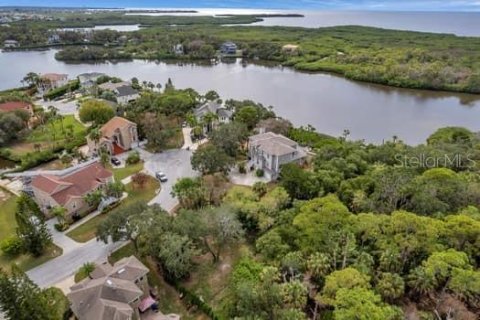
115	161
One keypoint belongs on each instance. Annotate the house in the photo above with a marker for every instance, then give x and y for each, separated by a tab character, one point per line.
88	80
10	44
51	81
126	94
112	86
118	292
290	49
269	151
222	114
116	136
228	48
68	190
178	49
11	106
53	38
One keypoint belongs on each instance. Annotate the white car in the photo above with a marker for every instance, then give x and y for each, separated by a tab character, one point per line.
161	176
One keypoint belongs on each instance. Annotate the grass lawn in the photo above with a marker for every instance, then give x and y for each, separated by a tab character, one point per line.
122	173
168	297
44	136
86	231
8	203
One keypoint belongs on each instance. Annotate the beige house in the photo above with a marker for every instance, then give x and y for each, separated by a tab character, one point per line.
269	151
69	190
116	136
49	81
115	292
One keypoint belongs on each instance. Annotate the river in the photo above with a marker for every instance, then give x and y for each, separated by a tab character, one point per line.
328	102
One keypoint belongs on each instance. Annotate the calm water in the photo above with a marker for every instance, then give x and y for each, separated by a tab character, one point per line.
133	27
328	102
459	23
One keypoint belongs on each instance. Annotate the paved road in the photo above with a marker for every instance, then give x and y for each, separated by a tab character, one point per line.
74	255
64	107
175	164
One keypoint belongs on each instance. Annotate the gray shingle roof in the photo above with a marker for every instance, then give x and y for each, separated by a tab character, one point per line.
126	91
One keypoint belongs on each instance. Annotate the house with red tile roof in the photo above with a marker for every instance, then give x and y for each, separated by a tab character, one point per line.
11	106
116	136
69	190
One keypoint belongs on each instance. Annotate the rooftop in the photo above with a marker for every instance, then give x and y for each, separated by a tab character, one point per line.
14	105
126	91
109	128
274	144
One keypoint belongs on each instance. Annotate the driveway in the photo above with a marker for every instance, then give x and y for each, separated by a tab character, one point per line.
175	164
64	107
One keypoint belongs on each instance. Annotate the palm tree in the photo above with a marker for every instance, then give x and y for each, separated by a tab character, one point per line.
60	212
208	120
95	136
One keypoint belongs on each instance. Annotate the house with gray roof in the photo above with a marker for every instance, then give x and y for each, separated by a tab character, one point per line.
269	151
126	94
113	292
88	80
223	115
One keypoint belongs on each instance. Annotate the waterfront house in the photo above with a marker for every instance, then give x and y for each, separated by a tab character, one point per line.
269	151
221	115
126	94
10	44
49	81
112	292
291	49
178	49
112	86
228	48
88	80
116	136
69	189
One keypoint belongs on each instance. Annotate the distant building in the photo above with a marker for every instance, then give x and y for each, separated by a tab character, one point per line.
10	44
268	151
118	292
49	81
112	86
223	115
68	190
228	48
53	38
178	49
116	136
126	94
290	49
88	80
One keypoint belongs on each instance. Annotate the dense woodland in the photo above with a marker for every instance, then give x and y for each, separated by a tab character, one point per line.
396	58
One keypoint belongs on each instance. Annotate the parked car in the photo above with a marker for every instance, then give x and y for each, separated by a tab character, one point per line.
115	161
161	176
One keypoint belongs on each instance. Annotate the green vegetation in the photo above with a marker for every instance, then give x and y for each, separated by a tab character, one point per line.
128	170
96	111
60	91
87	230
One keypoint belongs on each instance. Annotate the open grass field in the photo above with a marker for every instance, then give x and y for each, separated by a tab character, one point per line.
49	136
86	231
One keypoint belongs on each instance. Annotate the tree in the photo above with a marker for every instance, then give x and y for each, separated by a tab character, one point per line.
22	299
190	192
140	179
212	95
260	188
248	115
87	268
209	159
115	189
213	229
32	79
276	125
175	252
60	213
319	265
31	227
390	286
347	278
94	198
271	246
229	137
294	294
96	111
362	304
123	224
95	135
298	183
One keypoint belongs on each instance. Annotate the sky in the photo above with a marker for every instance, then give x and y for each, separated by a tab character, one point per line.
383	5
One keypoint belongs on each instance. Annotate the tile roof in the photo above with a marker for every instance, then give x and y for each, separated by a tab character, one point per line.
109	128
274	144
72	185
107	295
14	105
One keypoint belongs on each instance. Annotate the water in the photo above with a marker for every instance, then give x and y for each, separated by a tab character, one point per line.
133	27
459	23
329	103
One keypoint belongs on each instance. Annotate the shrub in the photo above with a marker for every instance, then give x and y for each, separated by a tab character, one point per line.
12	246
241	168
260	188
61	226
259	173
133	157
60	91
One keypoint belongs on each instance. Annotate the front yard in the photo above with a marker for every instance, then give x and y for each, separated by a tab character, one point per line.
86	231
128	170
8	203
